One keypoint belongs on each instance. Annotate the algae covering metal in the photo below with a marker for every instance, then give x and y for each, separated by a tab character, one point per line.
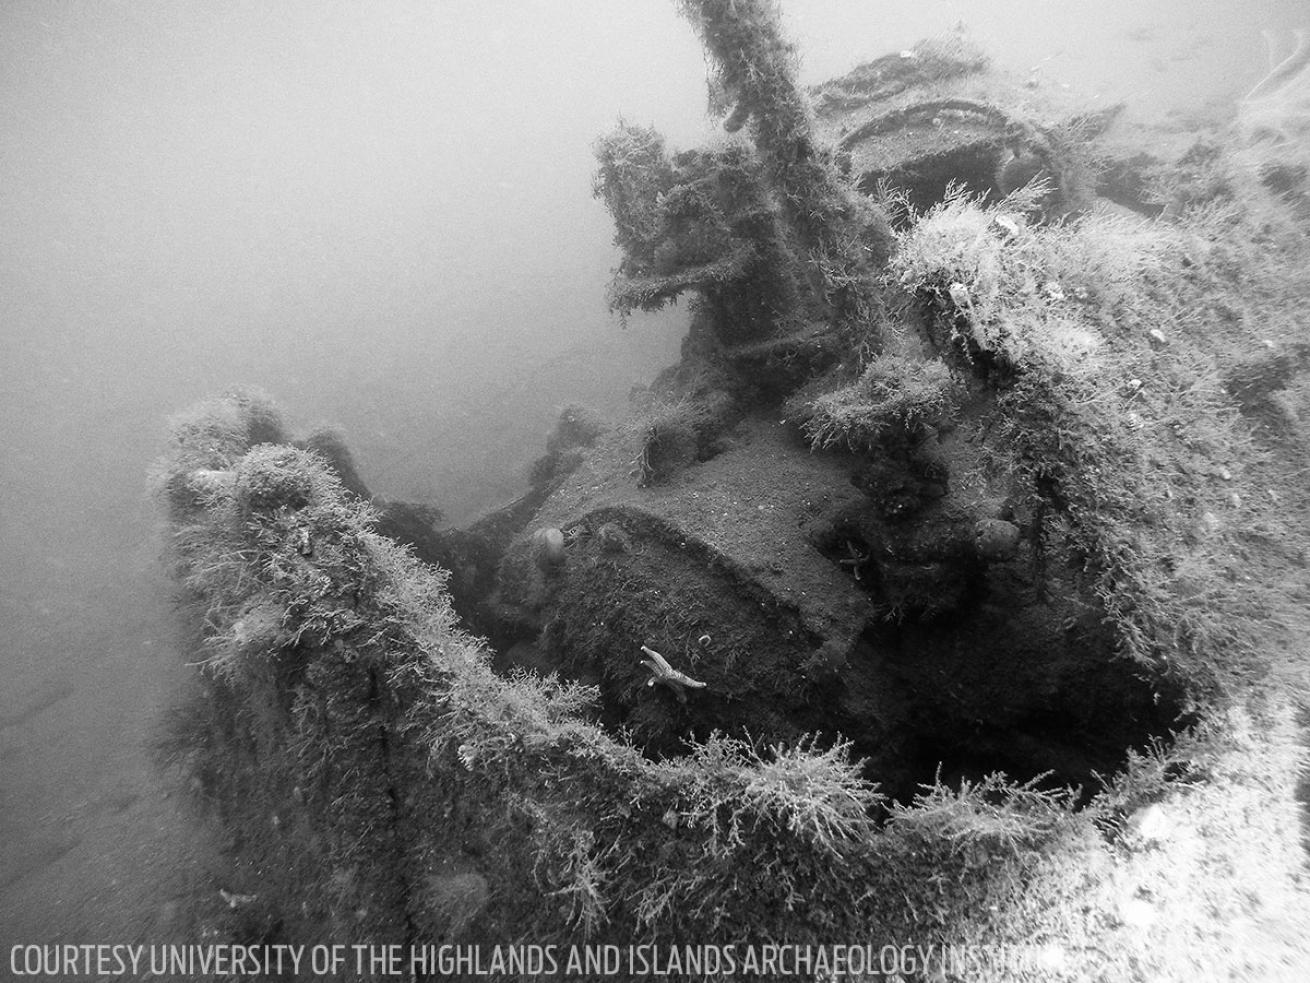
923	505
939	114
913	621
380	783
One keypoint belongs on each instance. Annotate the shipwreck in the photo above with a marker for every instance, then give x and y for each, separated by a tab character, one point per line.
965	531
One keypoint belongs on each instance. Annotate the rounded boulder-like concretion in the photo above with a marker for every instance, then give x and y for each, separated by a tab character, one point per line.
207	481
271	477
548	547
996	539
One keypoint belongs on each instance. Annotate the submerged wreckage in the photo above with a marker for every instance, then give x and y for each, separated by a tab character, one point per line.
980	426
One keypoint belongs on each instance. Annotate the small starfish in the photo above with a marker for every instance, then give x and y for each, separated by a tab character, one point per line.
665	674
855	560
237	900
